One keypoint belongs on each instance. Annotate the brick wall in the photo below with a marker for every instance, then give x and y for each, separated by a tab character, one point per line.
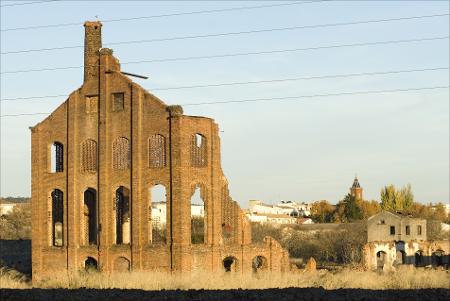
120	117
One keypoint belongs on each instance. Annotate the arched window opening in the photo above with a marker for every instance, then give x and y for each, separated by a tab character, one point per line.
437	258
198	216
90	217
157	151
381	260
57	218
89	156
198	151
400	252
418	258
400	257
123	222
230	264
158	214
259	263
56	157
122	264
121	153
90	264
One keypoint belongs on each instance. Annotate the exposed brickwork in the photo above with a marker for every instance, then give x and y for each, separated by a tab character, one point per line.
118	138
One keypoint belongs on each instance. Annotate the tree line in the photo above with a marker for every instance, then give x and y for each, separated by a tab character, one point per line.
396	200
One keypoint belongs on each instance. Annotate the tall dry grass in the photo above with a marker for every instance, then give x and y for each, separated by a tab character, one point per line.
10	278
404	278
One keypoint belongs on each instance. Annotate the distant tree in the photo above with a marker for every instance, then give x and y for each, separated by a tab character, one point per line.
343	245
322	212
16	224
11	199
429	211
352	210
369	208
407	197
349	210
438	212
435	231
394	200
389	198
259	231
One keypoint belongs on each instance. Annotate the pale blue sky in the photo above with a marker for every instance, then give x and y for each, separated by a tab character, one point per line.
304	149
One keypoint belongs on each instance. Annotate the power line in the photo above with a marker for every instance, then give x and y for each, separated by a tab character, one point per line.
315	95
27	3
257	82
25	114
233	33
242	54
280	98
169	15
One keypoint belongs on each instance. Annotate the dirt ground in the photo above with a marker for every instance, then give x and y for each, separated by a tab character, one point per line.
297	294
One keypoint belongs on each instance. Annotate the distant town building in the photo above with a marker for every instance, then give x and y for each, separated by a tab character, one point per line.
7	205
159	213
272	218
299	209
356	190
285	212
6	208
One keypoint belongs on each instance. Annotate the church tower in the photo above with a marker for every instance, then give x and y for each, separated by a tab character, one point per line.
356	191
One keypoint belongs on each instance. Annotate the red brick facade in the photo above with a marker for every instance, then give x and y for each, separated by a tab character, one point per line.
113	141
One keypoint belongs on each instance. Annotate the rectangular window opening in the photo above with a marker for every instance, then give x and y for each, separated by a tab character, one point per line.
91	104
118	102
392	230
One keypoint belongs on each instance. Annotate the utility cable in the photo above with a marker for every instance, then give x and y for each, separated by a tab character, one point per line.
242	54
168	15
230	33
298	97
255	82
27	3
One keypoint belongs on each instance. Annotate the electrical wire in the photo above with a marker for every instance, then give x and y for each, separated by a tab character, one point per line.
27	3
231	33
280	98
168	15
241	54
374	73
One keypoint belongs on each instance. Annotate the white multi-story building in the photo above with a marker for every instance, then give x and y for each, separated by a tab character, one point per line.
159	212
284	207
282	213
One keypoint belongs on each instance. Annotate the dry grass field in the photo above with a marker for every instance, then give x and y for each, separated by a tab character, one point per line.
404	278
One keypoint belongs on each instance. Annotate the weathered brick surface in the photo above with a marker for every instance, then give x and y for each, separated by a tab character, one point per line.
90	114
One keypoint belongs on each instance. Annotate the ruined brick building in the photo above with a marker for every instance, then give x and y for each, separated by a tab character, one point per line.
395	239
95	161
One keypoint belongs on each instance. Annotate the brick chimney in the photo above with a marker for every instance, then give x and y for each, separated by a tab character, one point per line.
92	44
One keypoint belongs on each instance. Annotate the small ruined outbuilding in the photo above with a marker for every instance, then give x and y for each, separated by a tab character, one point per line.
395	239
95	160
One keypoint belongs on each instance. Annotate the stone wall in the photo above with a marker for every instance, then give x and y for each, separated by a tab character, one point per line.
387	255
